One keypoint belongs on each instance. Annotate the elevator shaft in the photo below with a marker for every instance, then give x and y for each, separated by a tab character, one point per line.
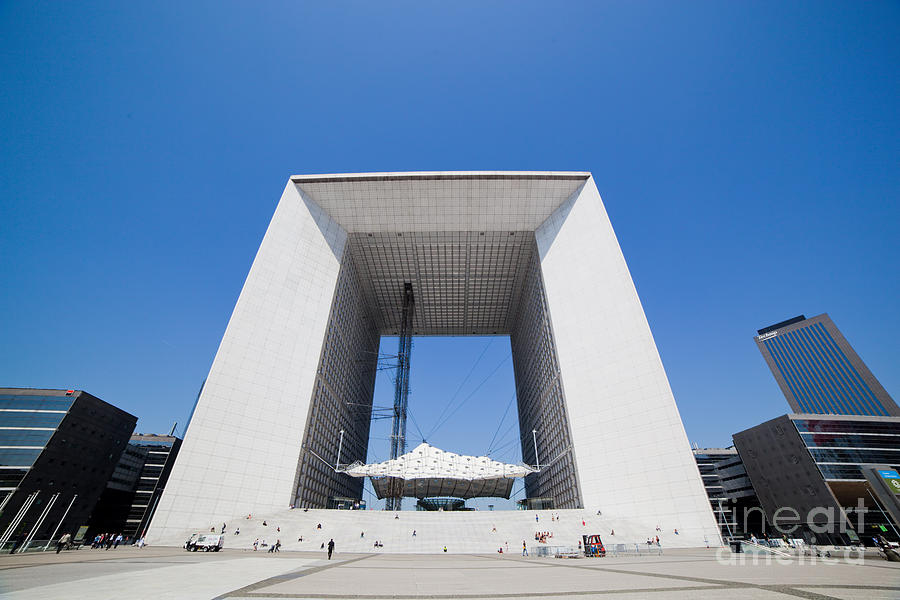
401	387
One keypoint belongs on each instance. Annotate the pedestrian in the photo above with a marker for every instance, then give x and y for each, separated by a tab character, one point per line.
277	545
255	544
237	531
63	542
583	523
362	534
118	541
536	518
414	533
524	548
109	541
17	541
223	527
330	548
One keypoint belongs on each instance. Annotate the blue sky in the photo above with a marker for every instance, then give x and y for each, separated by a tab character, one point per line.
747	154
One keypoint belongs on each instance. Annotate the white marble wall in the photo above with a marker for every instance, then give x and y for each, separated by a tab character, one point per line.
241	449
631	450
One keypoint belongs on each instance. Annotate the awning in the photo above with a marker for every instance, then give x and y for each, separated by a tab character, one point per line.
427	472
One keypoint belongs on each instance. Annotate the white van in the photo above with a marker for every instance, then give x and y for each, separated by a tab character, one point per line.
209	542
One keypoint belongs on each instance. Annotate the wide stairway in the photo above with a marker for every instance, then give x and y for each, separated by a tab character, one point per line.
463	532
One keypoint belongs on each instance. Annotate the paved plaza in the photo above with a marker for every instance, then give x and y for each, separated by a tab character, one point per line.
162	573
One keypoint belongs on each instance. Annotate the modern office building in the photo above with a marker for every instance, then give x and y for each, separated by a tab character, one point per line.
136	484
730	492
529	255
812	471
819	372
58	449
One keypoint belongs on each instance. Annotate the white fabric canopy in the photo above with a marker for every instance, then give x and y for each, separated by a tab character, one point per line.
428	471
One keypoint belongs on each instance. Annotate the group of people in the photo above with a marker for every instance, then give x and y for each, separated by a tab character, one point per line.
542	536
108	540
273	548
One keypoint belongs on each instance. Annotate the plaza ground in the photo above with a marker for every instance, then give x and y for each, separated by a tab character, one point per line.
689	574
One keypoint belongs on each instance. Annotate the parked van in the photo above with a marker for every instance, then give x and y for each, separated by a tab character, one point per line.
209	542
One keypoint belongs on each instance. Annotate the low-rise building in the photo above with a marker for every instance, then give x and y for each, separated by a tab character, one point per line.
58	449
136	484
813	472
730	492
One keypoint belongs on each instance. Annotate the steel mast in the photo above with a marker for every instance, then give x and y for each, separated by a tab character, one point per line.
401	391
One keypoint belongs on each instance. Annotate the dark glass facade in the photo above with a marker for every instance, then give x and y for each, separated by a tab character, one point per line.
57	451
136	484
730	492
819	372
841	448
816	464
26	425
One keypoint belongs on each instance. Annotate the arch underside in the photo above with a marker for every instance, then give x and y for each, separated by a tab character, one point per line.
465	283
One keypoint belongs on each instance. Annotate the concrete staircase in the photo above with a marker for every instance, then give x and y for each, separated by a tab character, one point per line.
468	532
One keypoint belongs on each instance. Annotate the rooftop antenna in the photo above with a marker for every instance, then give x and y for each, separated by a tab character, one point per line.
172	432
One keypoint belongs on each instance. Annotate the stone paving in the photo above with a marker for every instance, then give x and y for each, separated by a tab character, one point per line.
163	573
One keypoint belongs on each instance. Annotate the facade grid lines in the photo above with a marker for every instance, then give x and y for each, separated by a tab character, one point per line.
529	255
819	372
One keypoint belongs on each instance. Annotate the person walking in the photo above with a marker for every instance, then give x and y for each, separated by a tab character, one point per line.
524	548
118	541
63	542
330	548
17	541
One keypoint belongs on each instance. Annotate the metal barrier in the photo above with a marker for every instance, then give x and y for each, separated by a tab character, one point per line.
611	550
633	550
557	551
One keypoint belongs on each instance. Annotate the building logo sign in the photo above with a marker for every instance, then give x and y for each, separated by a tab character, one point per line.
766	336
891	478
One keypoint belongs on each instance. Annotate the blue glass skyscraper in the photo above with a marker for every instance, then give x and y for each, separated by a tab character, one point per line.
819	372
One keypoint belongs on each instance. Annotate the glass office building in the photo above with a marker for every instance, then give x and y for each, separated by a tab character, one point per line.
57	451
819	372
133	490
730	492
817	465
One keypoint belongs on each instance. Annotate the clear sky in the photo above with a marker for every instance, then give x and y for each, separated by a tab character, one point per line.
747	154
